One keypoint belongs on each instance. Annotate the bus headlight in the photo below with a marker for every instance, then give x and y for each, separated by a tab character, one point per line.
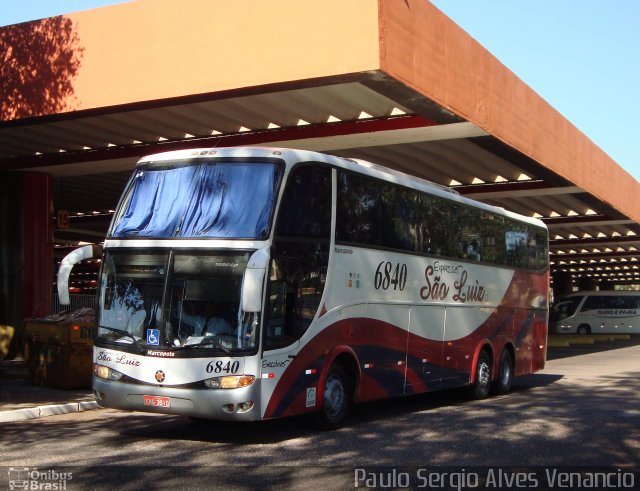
229	381
106	372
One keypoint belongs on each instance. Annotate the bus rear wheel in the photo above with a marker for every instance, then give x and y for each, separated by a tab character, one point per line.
482	381
336	399
505	373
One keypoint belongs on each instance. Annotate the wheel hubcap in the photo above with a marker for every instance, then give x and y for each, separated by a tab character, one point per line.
484	374
334	396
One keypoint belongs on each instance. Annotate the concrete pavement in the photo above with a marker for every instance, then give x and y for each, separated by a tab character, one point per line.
20	400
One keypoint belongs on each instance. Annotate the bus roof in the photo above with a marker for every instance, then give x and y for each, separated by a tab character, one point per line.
292	156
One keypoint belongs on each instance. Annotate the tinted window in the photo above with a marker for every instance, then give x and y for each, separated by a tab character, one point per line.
492	233
469	241
306	205
300	256
296	284
378	213
516	244
623	302
630	302
359	211
399	218
565	308
434	227
538	249
595	302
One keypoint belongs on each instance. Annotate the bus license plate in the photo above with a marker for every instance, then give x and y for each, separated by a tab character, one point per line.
157	401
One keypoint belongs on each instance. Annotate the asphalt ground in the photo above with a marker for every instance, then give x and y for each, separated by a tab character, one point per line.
581	412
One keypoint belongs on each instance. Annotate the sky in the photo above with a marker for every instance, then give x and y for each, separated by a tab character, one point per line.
581	56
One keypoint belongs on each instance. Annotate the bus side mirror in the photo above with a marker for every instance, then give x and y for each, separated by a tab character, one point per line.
253	280
67	264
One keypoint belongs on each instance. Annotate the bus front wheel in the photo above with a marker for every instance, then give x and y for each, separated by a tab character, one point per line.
336	399
482	381
584	329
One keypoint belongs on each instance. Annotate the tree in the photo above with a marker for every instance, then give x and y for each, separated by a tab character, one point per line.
38	63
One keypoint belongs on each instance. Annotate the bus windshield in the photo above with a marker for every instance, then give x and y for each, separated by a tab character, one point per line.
564	308
214	200
175	300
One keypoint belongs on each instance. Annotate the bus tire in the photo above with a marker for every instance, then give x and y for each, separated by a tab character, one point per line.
336	399
505	372
584	329
482	382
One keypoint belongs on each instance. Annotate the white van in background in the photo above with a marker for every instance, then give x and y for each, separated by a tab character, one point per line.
610	312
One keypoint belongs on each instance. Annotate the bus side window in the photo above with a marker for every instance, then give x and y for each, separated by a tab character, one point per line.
434	219
300	256
294	298
398	220
305	211
517	245
469	244
359	209
492	233
277	313
595	302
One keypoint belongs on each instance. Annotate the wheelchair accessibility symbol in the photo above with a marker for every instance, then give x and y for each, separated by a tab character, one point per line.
153	337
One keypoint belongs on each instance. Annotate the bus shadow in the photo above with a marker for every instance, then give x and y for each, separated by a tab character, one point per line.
459	397
543	422
532	381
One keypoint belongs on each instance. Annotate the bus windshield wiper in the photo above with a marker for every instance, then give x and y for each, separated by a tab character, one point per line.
209	340
127	334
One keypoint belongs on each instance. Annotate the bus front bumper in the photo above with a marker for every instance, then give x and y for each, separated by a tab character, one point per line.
242	404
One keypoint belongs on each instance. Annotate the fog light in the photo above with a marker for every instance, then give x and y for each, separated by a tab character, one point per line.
243	407
230	382
229	408
106	372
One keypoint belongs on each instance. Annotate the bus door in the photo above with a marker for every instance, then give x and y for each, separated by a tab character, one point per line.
424	349
298	269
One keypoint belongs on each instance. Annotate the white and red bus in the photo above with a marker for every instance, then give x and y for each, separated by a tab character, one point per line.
253	283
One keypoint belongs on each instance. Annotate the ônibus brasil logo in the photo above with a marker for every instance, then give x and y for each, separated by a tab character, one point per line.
34	479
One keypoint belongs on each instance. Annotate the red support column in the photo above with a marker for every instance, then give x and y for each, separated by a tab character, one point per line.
37	244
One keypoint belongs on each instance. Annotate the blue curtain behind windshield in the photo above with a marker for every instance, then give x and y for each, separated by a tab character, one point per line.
224	201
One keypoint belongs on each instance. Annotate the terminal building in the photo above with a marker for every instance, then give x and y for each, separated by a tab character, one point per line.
85	95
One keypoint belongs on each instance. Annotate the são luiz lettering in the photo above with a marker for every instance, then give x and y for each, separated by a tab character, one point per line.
436	288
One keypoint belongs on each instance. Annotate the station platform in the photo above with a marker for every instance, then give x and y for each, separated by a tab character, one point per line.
21	400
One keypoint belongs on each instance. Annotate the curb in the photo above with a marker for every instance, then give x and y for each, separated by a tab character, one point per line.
557	344
44	411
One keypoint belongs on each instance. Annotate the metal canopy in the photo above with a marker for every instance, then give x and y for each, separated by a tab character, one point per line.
90	154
